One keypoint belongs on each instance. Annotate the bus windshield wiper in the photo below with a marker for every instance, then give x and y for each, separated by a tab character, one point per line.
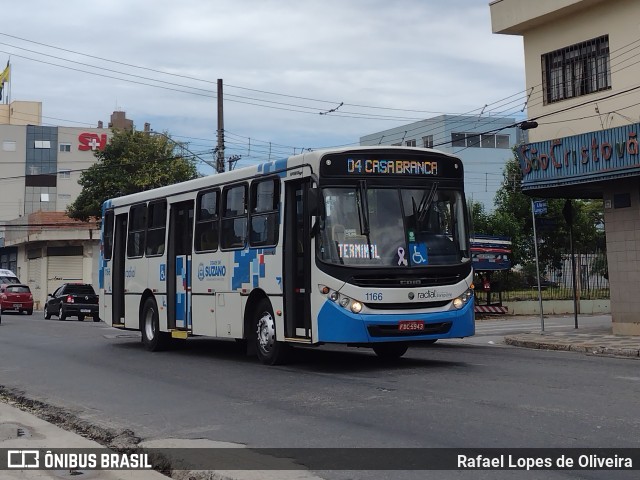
363	209
425	203
363	213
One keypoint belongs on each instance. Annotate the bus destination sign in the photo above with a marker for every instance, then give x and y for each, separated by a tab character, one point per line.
397	167
392	164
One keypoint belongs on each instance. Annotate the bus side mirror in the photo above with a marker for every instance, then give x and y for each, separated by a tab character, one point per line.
313	201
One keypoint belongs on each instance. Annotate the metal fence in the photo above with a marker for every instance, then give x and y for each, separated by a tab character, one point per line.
556	283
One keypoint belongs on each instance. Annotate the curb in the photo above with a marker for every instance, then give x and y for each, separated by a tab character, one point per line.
588	348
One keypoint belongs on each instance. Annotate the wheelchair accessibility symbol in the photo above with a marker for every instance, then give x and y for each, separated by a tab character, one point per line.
418	253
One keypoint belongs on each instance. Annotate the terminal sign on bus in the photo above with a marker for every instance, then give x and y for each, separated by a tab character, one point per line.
400	167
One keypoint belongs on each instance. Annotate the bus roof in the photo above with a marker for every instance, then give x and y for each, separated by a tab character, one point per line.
310	157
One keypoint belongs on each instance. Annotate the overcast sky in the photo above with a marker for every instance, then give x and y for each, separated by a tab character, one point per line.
282	62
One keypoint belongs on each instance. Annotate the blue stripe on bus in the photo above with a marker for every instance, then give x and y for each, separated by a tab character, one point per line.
337	325
250	267
274	167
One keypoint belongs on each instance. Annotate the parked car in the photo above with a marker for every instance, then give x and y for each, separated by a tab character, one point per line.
7	276
15	296
73	300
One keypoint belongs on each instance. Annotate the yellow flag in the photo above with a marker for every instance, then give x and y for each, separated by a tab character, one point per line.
4	76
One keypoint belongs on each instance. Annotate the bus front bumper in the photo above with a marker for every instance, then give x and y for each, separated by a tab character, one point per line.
337	325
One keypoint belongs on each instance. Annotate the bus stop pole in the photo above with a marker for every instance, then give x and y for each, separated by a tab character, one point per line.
535	246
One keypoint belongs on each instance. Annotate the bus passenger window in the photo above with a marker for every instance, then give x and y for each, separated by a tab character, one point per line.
234	219
207	223
265	204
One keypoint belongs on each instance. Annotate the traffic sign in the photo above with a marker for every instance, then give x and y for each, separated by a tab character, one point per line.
540	207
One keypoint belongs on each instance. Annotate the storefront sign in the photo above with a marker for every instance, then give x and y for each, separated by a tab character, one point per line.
580	158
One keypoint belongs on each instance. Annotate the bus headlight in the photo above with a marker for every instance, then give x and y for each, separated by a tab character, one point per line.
356	307
345	302
462	300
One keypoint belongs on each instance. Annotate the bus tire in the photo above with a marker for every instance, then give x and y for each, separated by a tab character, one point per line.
390	351
153	339
269	351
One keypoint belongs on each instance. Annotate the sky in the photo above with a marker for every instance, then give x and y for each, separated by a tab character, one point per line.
296	74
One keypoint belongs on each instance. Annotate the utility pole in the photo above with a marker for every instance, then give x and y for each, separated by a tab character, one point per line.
220	155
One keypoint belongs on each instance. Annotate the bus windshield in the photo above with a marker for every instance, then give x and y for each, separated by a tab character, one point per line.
393	227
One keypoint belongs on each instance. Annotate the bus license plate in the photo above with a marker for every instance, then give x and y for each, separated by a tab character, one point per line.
406	325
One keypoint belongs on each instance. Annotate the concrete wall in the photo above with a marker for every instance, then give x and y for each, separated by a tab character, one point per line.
558	307
623	255
12	165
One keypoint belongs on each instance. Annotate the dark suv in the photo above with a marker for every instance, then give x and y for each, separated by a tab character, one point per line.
73	300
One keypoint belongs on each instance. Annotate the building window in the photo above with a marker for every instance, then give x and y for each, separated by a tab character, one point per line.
577	70
42	144
476	140
65	147
458	140
427	141
473	140
502	141
410	143
66	174
488	141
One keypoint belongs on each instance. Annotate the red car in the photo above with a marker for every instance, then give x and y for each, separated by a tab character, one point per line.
16	297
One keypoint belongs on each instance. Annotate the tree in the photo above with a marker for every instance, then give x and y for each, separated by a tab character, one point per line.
480	219
131	162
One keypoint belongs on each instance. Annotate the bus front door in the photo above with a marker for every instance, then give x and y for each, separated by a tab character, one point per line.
297	261
179	266
118	268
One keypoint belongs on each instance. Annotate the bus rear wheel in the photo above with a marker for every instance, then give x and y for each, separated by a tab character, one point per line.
153	339
390	351
269	350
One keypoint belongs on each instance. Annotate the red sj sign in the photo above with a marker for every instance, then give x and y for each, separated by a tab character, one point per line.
92	141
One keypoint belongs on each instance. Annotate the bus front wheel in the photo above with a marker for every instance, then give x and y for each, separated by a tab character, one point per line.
152	338
390	351
270	351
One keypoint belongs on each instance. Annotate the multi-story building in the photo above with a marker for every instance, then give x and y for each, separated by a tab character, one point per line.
39	171
582	77
482	142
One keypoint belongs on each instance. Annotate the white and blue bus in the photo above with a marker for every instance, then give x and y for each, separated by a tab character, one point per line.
365	246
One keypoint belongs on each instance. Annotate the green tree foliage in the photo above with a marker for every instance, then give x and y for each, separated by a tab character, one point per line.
131	162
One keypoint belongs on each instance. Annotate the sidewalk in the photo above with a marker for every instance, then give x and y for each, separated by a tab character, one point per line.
594	341
21	430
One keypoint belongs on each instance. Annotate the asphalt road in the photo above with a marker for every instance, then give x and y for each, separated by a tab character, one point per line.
451	394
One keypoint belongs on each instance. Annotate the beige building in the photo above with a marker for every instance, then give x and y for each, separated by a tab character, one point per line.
41	166
583	84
